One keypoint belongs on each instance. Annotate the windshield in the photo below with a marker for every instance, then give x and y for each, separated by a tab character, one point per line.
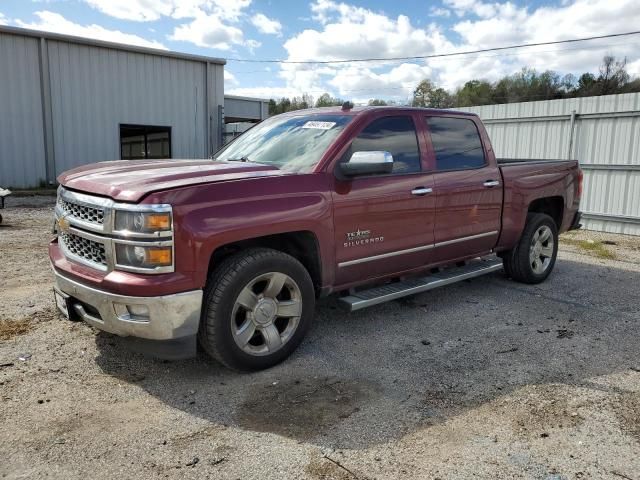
290	143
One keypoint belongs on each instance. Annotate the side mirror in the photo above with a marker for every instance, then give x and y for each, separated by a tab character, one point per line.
367	163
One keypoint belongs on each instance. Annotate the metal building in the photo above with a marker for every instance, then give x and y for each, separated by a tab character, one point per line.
240	113
603	133
66	101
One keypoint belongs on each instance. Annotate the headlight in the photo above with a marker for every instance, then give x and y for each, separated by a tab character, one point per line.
142	222
137	256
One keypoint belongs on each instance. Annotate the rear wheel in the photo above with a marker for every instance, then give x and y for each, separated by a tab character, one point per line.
533	258
258	306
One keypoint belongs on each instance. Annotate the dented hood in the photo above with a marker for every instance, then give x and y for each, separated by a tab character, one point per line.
131	180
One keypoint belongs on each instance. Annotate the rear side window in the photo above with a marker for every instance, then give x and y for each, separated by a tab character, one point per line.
456	143
396	135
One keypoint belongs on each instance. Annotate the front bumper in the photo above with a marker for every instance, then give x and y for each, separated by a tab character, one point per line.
170	317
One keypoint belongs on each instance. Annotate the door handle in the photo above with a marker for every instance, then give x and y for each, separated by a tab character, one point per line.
420	191
491	183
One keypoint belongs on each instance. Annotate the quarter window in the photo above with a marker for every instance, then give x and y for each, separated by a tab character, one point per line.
396	135
456	143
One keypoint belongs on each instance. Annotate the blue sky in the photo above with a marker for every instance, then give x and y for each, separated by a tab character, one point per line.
329	30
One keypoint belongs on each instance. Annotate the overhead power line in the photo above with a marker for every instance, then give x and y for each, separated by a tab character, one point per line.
554	51
435	55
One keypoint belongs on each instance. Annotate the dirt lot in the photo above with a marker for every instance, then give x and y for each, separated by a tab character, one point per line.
485	379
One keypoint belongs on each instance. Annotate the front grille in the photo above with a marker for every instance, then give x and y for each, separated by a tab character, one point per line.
82	212
84	248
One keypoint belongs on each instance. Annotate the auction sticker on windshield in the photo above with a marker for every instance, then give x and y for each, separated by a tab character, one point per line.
319	125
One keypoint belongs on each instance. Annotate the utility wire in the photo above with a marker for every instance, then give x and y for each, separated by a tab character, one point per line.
435	55
558	51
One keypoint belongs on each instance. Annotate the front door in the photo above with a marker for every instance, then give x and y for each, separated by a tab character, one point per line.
384	223
468	190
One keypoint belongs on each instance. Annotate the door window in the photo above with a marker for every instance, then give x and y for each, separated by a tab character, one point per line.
396	135
456	143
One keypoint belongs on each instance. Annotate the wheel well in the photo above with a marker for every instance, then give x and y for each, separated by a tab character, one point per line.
303	246
552	206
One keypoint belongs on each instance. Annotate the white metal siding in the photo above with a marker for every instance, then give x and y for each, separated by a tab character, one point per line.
607	146
244	108
21	134
62	100
94	90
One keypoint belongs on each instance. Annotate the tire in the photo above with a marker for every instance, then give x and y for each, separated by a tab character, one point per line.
533	258
241	325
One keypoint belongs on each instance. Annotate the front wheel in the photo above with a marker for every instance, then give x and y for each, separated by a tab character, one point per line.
533	258
258	305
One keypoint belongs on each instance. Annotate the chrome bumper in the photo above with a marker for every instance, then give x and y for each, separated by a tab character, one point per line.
169	317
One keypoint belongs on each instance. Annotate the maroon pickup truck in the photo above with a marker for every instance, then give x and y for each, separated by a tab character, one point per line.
370	203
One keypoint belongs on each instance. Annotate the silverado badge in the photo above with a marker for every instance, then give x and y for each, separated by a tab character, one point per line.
361	237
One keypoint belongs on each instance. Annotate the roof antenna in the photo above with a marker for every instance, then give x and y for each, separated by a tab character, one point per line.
347	105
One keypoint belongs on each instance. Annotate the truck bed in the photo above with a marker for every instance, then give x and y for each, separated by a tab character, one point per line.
525	180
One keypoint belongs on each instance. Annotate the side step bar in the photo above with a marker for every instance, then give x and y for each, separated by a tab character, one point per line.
385	293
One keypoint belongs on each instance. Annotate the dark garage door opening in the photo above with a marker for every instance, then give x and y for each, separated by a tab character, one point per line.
138	142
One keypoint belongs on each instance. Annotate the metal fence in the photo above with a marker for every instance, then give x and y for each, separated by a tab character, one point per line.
603	133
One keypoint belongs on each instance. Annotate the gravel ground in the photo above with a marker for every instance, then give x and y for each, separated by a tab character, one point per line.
484	379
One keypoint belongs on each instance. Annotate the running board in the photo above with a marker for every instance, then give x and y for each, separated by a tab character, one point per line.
392	291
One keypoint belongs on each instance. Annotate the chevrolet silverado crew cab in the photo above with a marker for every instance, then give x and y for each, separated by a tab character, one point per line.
232	253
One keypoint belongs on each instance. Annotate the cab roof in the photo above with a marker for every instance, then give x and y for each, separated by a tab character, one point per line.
359	110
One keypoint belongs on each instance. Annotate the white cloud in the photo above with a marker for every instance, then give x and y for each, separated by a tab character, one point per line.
353	32
150	10
345	31
439	12
209	31
138	10
230	79
634	68
3	20
360	33
582	18
54	22
399	81
264	92
228	9
475	7
266	25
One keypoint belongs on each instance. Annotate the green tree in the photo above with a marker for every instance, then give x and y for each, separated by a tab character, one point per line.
427	94
586	85
613	75
475	92
376	102
326	100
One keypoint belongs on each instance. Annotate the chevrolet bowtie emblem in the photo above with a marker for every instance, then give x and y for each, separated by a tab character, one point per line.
63	224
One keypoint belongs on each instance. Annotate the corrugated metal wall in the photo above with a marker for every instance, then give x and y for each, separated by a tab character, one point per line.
244	108
94	90
606	141
83	92
21	132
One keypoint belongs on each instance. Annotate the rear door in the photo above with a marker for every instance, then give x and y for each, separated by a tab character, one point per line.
384	223
467	188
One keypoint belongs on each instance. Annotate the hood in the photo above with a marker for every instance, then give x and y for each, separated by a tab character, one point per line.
131	180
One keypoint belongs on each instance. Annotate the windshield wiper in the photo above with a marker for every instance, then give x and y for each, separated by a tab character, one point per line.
246	159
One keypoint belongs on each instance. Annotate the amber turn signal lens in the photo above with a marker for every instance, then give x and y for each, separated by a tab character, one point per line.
159	256
157	221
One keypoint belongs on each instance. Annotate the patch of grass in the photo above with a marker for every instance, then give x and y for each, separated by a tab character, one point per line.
13	328
597	249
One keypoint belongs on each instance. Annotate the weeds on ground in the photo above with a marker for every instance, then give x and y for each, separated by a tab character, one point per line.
596	248
13	328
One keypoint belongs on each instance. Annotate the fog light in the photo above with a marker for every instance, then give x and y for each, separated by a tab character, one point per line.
138	311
